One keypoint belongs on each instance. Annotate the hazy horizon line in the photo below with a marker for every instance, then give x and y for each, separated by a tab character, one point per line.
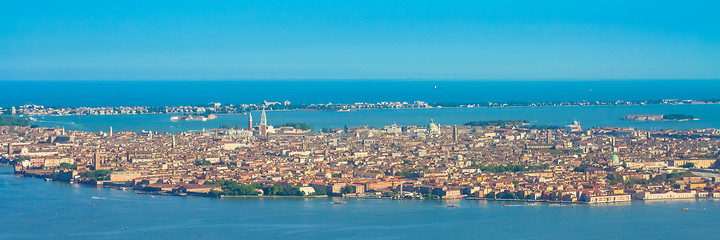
365	79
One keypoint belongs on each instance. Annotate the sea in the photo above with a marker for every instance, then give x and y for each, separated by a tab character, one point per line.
33	208
174	93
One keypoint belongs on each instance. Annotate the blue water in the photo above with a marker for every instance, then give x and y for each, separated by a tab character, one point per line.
162	93
35	209
595	116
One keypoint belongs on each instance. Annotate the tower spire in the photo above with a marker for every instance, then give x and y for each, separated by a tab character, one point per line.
263	124
263	118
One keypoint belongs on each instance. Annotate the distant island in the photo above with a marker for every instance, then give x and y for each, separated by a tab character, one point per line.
193	117
510	124
660	117
192	111
497	123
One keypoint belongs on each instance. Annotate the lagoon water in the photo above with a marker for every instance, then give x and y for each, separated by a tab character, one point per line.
174	93
588	116
35	209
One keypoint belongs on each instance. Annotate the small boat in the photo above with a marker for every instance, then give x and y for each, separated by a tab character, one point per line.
48	179
94	197
453	205
686	209
339	202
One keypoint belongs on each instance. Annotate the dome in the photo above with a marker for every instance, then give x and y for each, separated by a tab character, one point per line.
433	127
615	159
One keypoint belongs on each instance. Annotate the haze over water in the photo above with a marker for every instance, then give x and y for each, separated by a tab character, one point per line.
174	93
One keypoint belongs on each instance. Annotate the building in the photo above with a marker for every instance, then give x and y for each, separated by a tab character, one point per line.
433	128
697	163
307	190
263	124
575	127
455	133
124	176
606	198
663	195
393	129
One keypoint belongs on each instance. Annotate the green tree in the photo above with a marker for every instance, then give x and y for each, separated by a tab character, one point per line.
215	193
13	121
68	166
98	175
320	191
348	189
490	195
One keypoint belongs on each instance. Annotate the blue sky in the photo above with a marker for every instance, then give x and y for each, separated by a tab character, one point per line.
158	40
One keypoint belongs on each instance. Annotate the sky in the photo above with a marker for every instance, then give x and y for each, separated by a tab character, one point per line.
256	40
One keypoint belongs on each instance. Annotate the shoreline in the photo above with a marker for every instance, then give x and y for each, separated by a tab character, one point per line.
122	188
361	109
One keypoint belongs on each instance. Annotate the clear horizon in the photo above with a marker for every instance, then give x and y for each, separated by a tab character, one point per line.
364	40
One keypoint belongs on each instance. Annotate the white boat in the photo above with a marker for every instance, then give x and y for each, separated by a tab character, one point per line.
339	202
453	205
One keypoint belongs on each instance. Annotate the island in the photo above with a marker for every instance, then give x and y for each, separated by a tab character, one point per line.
659	117
485	160
244	108
193	117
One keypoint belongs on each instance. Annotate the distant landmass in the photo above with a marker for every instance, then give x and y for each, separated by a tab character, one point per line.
659	117
497	123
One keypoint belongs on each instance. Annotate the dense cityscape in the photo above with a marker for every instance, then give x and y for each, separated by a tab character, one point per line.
496	160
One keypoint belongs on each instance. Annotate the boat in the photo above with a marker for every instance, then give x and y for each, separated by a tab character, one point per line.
453	205
339	202
48	179
99	198
686	209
